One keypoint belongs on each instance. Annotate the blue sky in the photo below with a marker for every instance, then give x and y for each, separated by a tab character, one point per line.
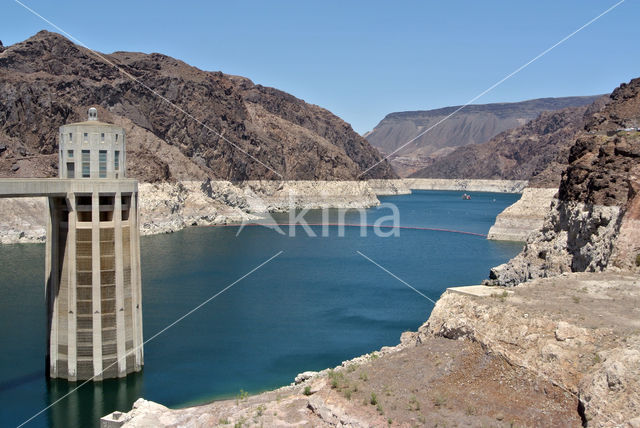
362	60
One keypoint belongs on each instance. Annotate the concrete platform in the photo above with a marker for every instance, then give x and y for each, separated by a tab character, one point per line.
31	187
479	290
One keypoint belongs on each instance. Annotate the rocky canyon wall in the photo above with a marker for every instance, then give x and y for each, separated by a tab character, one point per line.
593	226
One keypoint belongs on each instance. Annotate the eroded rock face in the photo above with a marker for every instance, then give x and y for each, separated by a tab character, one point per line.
241	131
578	330
23	220
525	217
574	238
593	225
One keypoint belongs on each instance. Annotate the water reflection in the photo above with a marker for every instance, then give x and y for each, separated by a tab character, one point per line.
93	400
18	381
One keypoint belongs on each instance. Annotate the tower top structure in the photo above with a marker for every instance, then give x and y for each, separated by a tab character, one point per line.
92	149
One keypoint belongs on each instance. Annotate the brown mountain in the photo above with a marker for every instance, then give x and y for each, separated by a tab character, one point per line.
539	148
47	81
472	125
604	162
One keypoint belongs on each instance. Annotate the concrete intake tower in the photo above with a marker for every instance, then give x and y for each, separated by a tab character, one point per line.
93	282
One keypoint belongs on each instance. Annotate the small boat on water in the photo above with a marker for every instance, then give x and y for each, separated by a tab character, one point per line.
466	197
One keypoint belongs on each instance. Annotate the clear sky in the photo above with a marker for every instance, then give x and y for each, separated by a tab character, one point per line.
362	60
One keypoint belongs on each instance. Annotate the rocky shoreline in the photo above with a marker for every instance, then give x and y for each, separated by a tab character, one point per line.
171	206
468	185
525	217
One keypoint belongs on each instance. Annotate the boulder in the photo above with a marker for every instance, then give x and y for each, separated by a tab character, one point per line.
566	331
304	376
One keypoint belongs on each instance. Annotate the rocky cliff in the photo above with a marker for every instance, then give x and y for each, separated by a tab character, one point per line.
474	124
578	330
258	132
594	225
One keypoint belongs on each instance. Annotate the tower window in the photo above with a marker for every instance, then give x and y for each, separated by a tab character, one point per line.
86	164
116	160
86	137
116	137
70	154
102	137
70	136
102	163
71	170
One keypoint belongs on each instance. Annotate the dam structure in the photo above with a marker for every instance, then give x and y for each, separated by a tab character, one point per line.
92	266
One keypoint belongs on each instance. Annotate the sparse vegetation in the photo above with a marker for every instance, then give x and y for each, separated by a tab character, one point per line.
471	411
307	390
347	394
502	296
439	399
380	409
224	421
242	395
638	260
260	410
596	359
363	376
374	399
576	299
336	378
413	403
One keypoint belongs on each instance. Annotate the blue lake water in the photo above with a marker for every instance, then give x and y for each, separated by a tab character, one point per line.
315	305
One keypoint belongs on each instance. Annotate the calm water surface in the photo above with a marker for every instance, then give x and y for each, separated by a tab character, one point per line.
315	305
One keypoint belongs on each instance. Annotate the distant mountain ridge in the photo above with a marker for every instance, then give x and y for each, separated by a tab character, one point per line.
47	81
537	150
473	124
